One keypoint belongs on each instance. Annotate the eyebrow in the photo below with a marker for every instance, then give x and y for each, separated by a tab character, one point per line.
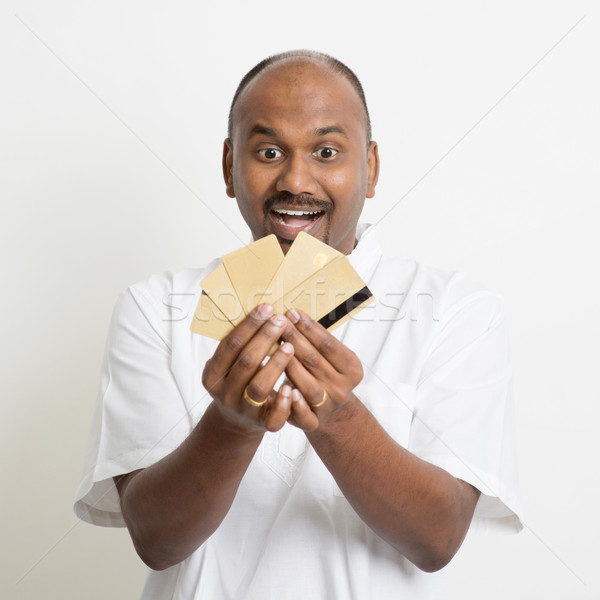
262	130
322	131
318	132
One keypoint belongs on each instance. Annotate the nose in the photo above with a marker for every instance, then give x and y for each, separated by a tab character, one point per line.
296	176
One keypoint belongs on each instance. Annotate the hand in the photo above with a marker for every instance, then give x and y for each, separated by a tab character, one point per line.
321	364
236	368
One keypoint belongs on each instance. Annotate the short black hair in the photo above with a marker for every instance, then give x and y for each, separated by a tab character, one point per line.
325	59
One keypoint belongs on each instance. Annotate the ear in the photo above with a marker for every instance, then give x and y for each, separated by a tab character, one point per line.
373	168
228	168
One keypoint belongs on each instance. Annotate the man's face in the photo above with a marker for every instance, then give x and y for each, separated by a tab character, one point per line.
299	158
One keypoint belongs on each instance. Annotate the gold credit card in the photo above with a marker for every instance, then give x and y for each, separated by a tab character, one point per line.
221	290
329	294
312	277
209	320
306	256
252	268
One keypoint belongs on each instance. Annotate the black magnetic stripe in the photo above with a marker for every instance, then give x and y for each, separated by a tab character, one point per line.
345	307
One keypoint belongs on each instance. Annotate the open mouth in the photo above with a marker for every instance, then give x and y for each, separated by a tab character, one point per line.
295	219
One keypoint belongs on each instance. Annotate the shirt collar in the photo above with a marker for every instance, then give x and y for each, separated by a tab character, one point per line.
367	253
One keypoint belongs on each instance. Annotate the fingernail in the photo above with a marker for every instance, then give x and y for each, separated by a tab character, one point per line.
286	390
278	320
293	315
296	395
287	348
265	310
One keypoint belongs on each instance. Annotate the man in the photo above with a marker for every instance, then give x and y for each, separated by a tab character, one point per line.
345	466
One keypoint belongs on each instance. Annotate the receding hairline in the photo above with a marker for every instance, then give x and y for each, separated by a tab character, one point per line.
311	56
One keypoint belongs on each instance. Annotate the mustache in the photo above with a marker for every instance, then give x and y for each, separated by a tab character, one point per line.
299	201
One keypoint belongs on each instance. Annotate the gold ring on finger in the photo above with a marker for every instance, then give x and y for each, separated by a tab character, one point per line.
251	401
323	400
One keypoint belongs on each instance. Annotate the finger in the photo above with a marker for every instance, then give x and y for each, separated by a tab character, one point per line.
231	346
322	340
279	411
307	353
249	361
303	416
310	388
261	384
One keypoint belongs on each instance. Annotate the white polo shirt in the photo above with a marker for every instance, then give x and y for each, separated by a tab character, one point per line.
437	376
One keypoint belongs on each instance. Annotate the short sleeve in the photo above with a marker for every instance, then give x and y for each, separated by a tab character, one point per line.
139	417
464	419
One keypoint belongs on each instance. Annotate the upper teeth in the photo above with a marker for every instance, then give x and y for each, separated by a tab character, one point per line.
297	213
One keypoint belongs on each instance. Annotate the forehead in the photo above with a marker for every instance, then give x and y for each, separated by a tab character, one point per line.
301	95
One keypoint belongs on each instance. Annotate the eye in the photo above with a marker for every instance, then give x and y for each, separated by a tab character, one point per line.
326	152
270	153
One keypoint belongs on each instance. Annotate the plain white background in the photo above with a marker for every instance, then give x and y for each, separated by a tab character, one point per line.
112	117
